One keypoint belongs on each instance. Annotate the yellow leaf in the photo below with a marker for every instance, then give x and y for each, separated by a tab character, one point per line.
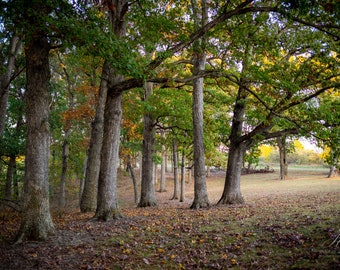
233	261
180	267
224	256
126	251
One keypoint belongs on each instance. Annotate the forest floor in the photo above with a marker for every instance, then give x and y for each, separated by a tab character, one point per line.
291	224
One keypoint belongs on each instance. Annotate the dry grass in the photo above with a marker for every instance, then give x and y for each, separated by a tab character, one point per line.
301	180
292	224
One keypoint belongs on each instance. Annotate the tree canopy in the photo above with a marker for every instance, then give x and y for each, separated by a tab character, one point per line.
220	78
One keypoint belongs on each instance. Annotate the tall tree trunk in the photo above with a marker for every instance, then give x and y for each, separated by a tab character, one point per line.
36	221
16	194
281	142
166	160
65	146
199	58
208	171
65	151
134	181
107	199
82	179
155	173
182	196
232	191
9	177
175	164
5	79
232	187
191	169
12	178
333	168
163	165
148	197
88	201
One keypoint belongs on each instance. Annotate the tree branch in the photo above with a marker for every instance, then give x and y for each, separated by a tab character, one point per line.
137	82
243	8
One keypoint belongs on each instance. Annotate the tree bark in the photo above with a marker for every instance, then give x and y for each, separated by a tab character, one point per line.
155	173
88	201
232	185
5	79
334	157
82	180
281	142
166	161
175	165
332	172
191	169
65	152
134	181
16	194
36	222
232	190
208	171
163	165
182	194
107	199
65	146
9	177
148	197
199	59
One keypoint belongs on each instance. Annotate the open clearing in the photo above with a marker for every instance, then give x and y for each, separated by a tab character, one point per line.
290	224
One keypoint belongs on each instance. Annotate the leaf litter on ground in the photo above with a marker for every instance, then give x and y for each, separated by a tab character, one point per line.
271	231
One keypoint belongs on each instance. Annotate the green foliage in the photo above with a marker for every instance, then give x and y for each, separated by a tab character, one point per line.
281	61
14	137
252	157
327	129
303	157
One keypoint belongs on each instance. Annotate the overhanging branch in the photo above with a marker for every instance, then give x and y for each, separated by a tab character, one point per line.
243	8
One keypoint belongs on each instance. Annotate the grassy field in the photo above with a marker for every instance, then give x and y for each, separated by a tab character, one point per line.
291	224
